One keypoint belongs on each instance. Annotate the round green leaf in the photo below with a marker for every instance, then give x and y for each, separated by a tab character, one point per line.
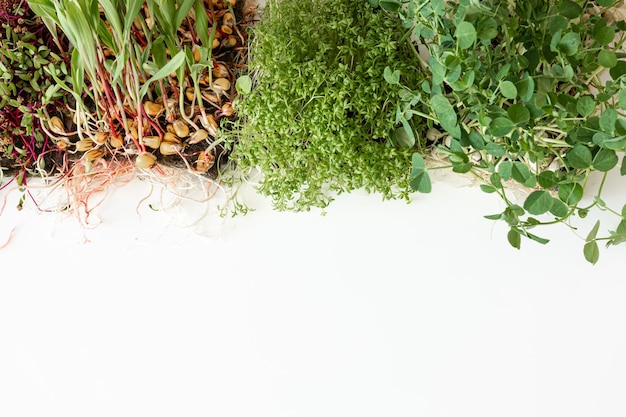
518	113
579	156
608	59
487	28
501	126
605	160
514	238
570	9
403	138
569	43
585	105
603	34
591	252
570	193
547	179
538	202
243	85
558	209
608	120
465	35
508	89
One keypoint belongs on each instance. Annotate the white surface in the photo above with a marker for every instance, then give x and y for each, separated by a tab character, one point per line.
376	309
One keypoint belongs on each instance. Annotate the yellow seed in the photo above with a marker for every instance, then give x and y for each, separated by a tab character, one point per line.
169	148
216	43
116	142
100	137
221	85
152	141
232	2
227	109
210	96
227	30
56	125
145	160
205	161
189	93
211	125
152	109
220	71
228	19
180	128
196	54
229	42
171	137
84	145
133	132
93	154
198	136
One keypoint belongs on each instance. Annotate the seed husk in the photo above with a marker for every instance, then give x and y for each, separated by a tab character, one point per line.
116	141
100	137
152	109
93	154
220	71
180	128
169	148
211	125
205	161
56	125
171	137
84	145
145	160
198	136
152	141
221	85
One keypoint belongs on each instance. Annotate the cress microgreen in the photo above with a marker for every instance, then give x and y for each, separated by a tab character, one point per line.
321	115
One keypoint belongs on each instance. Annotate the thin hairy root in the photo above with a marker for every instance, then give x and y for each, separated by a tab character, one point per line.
10	238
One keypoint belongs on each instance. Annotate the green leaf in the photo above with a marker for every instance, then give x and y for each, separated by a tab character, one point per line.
602	33
569	43
403	137
558	209
593	233
465	35
518	113
446	115
607	120
420	180
526	88
243	85
489	189
586	105
495	149
606	58
570	193
547	179
538	202
487	28
391	77
505	170
175	63
202	25
608	141
570	9
390	6
605	160
501	126
591	252
508	89
579	156
521	173
514	238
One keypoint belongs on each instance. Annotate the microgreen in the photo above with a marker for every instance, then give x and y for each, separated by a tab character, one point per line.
530	95
318	116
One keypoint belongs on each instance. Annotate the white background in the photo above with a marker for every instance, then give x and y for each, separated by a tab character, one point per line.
375	309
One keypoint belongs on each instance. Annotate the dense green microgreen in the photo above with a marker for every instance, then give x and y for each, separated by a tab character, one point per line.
26	91
321	114
529	94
